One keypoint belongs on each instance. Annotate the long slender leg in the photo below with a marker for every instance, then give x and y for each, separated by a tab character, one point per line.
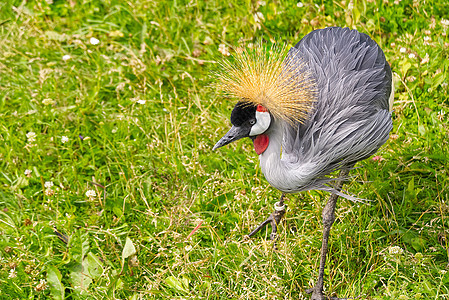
273	219
328	220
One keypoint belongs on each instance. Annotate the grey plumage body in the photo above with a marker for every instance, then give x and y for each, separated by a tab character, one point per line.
345	78
350	119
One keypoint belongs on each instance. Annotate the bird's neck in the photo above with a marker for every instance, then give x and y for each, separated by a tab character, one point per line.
270	159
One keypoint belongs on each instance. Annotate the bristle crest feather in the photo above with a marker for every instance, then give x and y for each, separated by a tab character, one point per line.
262	76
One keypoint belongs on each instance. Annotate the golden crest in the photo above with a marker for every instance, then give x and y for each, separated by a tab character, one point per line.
262	76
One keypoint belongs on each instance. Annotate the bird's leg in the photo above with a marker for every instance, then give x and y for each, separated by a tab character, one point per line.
328	220
273	219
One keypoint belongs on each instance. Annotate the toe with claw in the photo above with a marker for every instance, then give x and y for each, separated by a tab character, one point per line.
273	219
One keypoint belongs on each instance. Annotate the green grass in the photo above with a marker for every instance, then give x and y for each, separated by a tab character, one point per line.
156	178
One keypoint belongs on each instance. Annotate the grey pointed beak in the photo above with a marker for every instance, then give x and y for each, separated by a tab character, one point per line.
234	134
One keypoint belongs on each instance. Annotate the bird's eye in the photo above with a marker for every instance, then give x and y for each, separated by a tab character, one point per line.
252	122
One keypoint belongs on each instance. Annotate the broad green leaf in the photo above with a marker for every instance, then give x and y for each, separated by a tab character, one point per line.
176	284
84	244
79	277
438	79
94	265
418	243
128	250
405	66
411	186
117	211
422	130
54	281
371	25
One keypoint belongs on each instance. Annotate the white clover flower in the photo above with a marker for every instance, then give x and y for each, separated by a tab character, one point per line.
299	4
48	184
120	86
48	101
427	38
41	286
395	250
440	115
140	101
91	194
12	273
412	56
49	192
426	59
94	41
28	173
411	78
31	136
444	22
223	50
258	17
64	139
66	57
402	50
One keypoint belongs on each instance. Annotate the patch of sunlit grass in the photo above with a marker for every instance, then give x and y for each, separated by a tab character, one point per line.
109	187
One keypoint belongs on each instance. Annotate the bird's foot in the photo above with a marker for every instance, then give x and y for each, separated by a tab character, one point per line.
273	219
317	294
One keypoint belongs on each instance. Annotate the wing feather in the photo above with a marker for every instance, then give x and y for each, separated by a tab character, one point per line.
350	120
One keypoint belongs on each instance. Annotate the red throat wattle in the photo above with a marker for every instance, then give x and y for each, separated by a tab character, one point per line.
261	143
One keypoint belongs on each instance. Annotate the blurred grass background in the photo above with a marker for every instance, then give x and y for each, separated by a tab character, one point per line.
107	119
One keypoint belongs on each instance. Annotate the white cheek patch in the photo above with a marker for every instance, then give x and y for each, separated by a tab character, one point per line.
263	120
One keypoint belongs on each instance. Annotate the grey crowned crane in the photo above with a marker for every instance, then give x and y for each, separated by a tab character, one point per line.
322	109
